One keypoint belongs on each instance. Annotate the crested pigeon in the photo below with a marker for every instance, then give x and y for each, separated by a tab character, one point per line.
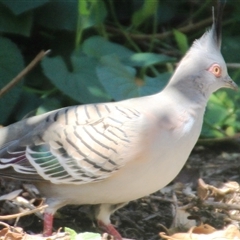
108	154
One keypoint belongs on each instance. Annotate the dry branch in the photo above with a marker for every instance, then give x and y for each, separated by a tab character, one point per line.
28	68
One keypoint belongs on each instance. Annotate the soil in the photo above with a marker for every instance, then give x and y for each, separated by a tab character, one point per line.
216	162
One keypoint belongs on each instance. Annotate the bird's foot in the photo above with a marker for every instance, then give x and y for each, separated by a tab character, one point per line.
47	224
110	229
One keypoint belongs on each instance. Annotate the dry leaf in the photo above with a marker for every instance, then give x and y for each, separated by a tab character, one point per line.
203	229
229	233
202	189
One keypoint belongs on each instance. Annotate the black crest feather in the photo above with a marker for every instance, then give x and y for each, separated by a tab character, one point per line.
217	21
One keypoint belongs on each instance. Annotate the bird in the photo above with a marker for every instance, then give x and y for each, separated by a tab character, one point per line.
107	154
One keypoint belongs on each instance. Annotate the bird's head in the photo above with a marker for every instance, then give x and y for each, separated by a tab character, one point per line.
203	68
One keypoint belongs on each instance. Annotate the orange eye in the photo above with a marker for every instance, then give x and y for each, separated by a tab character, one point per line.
216	70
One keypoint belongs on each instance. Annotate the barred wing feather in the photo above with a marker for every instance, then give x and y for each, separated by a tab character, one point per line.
75	145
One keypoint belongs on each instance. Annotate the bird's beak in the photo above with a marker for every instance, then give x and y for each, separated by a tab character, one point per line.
229	83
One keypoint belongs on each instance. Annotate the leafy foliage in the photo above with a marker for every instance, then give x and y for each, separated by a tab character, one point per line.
82	236
107	50
83	76
11	62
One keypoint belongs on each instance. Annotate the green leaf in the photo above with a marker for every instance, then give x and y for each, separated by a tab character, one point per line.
146	59
117	79
83	7
81	84
220	117
121	83
11	63
82	236
26	106
10	23
98	46
154	85
147	10
91	13
215	114
221	98
48	105
58	14
19	7
230	46
73	234
181	40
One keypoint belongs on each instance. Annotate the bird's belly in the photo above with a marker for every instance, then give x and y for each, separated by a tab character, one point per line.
151	170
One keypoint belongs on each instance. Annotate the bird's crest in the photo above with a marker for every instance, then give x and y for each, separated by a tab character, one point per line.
213	37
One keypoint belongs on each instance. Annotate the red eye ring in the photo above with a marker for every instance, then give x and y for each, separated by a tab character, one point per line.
216	70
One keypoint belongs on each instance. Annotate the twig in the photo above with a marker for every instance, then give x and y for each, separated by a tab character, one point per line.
233	217
22	202
220	205
28	68
161	199
23	213
185	29
5	225
130	221
187	206
233	65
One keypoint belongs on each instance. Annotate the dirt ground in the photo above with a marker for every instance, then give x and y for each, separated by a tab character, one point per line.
211	200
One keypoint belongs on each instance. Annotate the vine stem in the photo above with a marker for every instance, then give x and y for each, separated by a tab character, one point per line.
188	28
27	69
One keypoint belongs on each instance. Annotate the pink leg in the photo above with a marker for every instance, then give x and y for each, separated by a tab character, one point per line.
47	224
110	230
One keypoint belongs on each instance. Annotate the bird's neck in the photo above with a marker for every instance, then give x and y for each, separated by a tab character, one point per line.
190	96
191	84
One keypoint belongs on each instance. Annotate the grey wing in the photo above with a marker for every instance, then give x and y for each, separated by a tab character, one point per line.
73	145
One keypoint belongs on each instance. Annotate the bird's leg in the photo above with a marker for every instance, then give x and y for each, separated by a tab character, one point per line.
47	224
110	229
